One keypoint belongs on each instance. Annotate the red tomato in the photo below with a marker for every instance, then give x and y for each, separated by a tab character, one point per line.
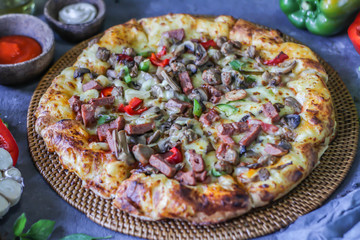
8	142
176	156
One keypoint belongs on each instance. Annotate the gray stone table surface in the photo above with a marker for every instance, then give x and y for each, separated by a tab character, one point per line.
40	201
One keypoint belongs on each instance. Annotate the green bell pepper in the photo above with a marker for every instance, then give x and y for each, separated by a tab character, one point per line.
321	17
197	110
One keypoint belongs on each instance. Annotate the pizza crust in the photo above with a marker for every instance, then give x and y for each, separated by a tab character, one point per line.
156	197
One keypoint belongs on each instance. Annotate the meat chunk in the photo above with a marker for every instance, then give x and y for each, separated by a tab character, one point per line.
139	129
178	105
250	136
270	112
232	128
142	153
235	95
177	34
215	94
275	150
158	162
88	114
75	103
186	178
103	54
226	139
201	177
185	82
91	85
212	76
209	117
117	124
104	101
226	78
196	161
222	166
227	154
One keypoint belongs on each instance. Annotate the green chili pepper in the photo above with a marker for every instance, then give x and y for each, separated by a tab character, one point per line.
236	65
197	110
217	173
145	54
145	65
227	109
105	119
322	17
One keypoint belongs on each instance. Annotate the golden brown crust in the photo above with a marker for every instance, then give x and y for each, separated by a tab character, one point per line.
156	197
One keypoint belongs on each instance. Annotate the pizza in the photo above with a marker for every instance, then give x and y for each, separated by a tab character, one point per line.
193	118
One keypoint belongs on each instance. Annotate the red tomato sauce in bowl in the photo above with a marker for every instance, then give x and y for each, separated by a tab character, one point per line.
16	49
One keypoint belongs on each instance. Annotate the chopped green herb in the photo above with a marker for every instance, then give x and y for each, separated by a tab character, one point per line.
227	109
197	110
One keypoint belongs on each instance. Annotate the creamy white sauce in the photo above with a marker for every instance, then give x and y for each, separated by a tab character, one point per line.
77	13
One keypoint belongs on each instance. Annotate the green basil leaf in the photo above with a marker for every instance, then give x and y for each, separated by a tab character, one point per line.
40	230
81	236
19	225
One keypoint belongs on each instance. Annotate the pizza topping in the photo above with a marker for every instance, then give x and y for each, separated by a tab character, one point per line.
278	59
215	95
134	107
232	128
91	85
284	144
139	128
223	168
227	48
104	101
291	120
174	156
284	68
199	94
117	124
275	150
209	117
227	154
251	52
177	35
250	136
201	55
154	137
212	76
158	162
103	54
208	44
186	178
197	109
79	72
227	109
196	161
266	127
270	111
158	62
235	95
185	82
75	103
293	103
226	78
119	146
142	153
88	114
177	106
170	81
263	174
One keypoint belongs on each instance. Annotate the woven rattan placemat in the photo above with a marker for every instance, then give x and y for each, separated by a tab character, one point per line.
309	195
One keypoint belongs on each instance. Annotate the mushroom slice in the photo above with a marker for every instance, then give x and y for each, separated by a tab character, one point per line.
284	68
11	190
201	55
4	206
171	82
122	147
5	159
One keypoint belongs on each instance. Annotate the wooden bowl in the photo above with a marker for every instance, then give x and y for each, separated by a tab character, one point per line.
74	32
27	25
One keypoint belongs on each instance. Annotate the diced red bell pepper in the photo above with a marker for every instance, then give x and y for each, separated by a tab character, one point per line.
125	57
135	102
131	111
266	127
175	157
8	142
208	44
278	59
161	53
106	92
354	33
157	62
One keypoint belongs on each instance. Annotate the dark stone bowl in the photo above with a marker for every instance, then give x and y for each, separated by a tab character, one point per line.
74	32
27	25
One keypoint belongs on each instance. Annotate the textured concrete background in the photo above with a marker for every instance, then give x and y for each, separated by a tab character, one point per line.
40	201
